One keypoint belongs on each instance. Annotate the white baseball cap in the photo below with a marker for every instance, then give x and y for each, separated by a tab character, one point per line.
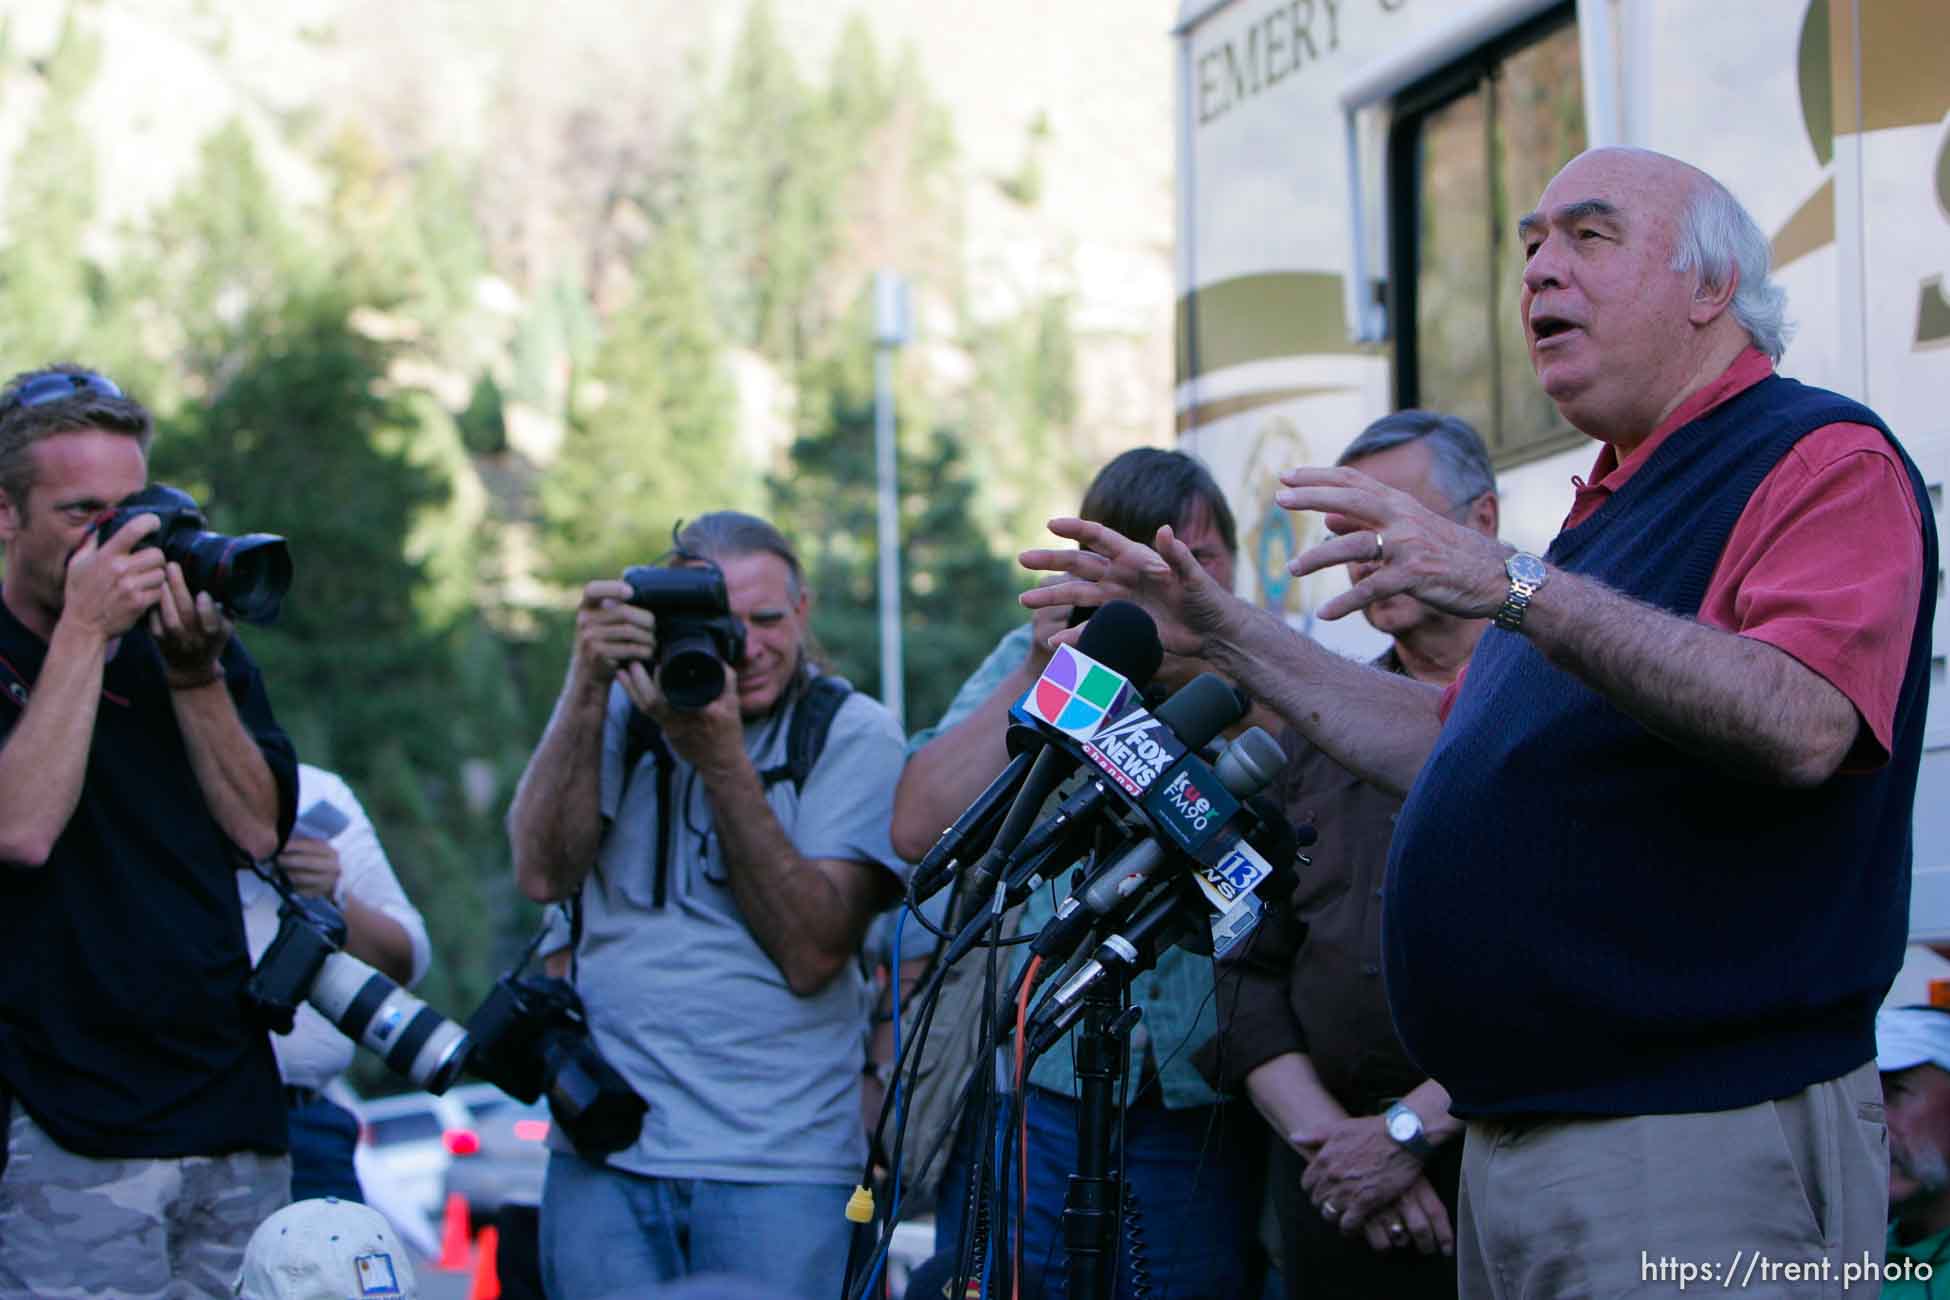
1912	1036
326	1249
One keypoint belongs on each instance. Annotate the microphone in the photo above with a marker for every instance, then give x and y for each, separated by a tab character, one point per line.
1120	958
1278	842
1168	912
977	822
1135	751
1246	767
1120	637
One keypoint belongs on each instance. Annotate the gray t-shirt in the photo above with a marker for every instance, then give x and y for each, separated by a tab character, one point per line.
746	1081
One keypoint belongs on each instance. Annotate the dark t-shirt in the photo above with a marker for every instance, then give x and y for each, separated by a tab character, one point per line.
1309	979
122	1025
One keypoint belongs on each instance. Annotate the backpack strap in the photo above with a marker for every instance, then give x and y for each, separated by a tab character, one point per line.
806	738
812	721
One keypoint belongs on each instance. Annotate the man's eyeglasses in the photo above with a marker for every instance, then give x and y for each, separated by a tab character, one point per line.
56	386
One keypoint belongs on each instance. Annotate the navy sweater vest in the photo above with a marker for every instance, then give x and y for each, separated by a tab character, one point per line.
1582	918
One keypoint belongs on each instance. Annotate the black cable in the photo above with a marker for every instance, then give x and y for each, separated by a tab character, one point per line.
987	1149
914	907
909	1059
928	996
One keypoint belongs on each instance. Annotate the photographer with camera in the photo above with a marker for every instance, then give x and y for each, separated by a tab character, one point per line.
146	1126
723	893
334	854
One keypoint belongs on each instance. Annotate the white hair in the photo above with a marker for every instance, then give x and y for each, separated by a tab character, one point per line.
1719	239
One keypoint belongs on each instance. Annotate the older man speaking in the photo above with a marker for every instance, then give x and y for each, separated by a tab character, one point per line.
1651	880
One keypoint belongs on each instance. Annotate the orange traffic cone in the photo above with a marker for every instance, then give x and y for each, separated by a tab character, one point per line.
456	1235
487	1282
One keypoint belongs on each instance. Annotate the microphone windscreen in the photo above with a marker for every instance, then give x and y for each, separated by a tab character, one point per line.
1250	763
1201	709
1124	638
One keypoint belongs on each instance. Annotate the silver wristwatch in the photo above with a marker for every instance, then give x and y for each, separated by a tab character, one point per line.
1527	573
1405	1126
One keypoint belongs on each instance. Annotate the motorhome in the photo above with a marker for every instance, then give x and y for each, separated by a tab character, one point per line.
1349	177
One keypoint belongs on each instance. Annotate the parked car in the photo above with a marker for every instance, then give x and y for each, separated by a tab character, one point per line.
502	1159
408	1142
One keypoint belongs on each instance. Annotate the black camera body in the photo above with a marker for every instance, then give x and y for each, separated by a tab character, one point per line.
247	575
697	634
531	1037
309	931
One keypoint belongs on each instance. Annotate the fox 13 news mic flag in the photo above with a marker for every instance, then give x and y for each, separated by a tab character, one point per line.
1131	751
1090	719
1071	704
1128	740
1153	907
1192	812
1113	661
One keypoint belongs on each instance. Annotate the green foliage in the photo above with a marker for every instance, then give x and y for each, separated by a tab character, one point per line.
357	375
46	281
302	441
558	333
651	438
957	596
767	207
484	423
222	251
1026	185
1024	398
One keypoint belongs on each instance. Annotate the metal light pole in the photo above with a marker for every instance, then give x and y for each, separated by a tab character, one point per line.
890	333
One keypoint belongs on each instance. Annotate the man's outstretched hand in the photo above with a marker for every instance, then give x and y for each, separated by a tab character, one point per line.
1412	549
1190	608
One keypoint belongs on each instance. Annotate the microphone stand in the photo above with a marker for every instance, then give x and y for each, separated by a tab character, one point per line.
1095	1197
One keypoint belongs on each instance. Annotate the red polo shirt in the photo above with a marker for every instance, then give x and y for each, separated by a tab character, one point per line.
1825	563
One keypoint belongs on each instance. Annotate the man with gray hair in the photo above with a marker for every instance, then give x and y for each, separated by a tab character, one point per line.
1913	1054
1304	1028
1651	881
725	868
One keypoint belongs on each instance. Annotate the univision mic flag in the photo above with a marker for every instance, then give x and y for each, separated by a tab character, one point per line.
1076	693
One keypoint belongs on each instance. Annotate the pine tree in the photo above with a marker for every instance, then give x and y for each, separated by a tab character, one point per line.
768	192
652	437
958	596
48	287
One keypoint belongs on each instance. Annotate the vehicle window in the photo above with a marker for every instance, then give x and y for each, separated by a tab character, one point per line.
411	1127
1470	150
491	1106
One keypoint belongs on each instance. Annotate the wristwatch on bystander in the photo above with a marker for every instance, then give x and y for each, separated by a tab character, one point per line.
1405	1126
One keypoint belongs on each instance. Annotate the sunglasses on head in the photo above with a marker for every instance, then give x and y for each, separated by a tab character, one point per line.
55	386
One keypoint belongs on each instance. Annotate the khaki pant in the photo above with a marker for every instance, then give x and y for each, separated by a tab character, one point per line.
137	1229
1782	1199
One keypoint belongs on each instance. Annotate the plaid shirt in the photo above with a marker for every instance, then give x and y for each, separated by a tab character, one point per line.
1176	995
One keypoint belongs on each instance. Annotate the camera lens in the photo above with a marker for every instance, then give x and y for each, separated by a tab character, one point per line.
692	675
413	1039
596	1107
248	575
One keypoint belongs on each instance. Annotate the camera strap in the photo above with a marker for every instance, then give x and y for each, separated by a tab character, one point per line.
644	736
812	720
805	738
